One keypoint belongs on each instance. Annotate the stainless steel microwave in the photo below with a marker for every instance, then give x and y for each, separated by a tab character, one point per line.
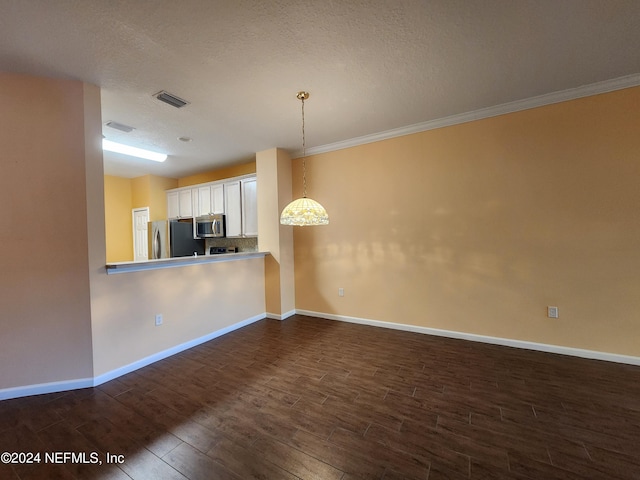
210	226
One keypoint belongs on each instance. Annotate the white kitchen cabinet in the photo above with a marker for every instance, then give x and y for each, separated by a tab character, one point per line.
233	209
236	199
249	207
241	207
180	204
195	203
210	199
186	203
217	198
204	201
173	205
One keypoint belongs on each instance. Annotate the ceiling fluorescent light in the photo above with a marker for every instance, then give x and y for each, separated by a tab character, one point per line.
110	146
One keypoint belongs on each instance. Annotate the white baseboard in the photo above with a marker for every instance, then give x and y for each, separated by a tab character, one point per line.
283	316
41	388
118	372
24	391
541	347
62	386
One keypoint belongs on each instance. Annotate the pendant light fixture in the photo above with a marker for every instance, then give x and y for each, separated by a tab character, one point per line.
304	211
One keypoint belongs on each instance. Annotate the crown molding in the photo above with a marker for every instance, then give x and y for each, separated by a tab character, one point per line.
620	83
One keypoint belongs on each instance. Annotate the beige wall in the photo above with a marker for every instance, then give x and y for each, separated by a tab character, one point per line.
117	218
218	174
274	193
478	227
158	196
150	191
121	195
140	191
63	320
194	301
45	328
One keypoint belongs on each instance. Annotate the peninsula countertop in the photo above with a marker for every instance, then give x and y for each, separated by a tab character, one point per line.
123	267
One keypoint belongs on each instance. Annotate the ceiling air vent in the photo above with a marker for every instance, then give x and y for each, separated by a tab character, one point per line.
172	100
120	126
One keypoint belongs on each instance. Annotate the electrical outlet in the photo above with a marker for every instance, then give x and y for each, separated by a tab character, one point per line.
341	292
158	319
552	312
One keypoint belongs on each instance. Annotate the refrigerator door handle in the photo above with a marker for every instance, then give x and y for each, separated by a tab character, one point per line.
157	247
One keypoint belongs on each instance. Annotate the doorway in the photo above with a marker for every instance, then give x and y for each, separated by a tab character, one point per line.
140	234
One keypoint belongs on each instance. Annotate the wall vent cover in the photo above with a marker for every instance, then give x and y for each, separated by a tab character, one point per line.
120	126
170	99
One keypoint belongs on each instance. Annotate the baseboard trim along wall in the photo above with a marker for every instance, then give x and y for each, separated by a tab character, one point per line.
283	316
39	389
541	347
100	379
62	386
53	387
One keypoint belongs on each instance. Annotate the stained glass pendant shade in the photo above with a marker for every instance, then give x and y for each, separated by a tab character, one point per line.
304	211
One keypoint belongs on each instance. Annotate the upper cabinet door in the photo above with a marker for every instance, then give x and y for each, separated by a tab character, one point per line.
186	207
173	205
204	201
249	208
217	198
233	209
210	200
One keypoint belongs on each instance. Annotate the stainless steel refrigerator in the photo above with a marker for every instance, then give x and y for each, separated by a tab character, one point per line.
173	238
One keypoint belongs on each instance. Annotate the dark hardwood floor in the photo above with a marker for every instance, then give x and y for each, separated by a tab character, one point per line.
311	398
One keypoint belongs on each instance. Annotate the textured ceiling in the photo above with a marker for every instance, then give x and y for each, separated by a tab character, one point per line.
370	66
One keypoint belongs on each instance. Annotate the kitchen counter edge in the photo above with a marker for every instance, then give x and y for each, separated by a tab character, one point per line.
124	267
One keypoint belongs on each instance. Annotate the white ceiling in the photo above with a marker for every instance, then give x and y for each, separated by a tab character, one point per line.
370	65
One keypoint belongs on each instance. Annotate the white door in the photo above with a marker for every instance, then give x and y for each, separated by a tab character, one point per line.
140	234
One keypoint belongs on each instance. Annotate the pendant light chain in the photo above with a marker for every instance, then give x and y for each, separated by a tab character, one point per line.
304	211
304	154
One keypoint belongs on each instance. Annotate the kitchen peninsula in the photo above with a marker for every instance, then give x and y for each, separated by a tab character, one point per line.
123	267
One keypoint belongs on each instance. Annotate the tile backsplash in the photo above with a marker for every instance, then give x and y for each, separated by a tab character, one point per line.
249	244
